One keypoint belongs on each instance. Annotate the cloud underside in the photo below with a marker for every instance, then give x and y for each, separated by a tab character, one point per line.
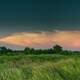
68	39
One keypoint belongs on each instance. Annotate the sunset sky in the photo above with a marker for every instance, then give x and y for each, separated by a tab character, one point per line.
40	23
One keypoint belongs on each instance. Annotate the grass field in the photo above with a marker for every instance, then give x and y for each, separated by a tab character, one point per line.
40	67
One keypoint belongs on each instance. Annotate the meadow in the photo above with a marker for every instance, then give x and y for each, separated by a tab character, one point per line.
40	67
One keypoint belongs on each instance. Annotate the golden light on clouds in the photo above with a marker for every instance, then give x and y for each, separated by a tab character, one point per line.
68	39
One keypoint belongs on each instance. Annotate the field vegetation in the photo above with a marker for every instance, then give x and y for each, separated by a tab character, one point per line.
33	64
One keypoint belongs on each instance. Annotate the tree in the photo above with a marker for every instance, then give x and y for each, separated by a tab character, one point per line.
3	50
57	49
27	50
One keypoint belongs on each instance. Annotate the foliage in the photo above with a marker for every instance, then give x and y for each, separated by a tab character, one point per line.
39	67
57	49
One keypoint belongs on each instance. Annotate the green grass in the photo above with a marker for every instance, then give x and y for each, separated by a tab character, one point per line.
40	67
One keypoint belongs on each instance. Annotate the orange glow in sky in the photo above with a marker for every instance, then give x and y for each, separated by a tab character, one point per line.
68	39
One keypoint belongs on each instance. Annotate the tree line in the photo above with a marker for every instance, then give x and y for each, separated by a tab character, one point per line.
56	49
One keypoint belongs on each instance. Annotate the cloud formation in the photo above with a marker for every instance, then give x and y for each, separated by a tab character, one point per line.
67	39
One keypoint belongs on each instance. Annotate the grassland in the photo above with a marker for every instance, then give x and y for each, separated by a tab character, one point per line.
40	67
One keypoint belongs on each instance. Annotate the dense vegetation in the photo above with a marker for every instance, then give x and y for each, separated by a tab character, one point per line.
31	64
57	49
39	67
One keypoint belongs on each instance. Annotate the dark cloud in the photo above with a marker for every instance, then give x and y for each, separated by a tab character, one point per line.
38	15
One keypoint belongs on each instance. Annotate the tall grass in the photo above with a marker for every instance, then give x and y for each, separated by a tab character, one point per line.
40	67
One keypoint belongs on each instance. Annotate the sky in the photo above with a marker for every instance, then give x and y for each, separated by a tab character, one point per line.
40	23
